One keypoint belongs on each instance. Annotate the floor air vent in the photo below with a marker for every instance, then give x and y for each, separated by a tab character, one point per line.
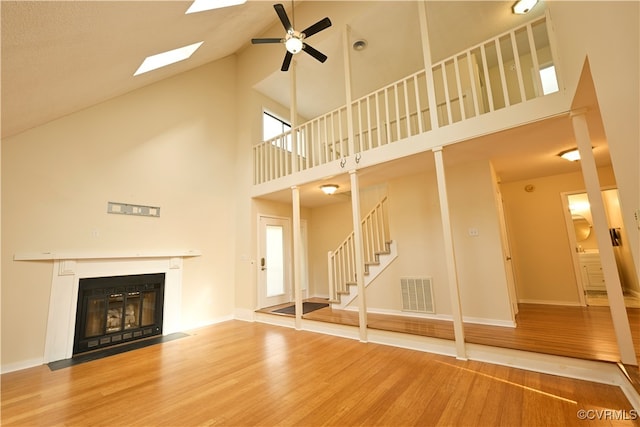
417	294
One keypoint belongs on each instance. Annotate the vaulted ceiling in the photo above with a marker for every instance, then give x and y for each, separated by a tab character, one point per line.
59	57
62	56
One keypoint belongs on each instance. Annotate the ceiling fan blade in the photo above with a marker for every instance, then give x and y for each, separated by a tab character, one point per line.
317	27
287	61
313	52
282	14
263	41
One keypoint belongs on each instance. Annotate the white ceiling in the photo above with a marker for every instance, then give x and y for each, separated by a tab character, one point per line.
59	57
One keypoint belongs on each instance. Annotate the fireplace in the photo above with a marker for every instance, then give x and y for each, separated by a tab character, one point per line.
117	309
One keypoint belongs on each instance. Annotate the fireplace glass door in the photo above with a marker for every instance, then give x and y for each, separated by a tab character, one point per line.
113	310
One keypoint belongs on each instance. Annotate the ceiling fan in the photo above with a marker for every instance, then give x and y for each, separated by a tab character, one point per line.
294	40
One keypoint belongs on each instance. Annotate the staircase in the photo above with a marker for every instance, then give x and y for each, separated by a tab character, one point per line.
378	252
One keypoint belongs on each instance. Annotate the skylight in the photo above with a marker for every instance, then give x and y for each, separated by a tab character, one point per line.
202	5
166	58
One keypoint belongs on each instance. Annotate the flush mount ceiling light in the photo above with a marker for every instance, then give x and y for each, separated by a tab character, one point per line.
571	155
329	189
202	5
523	6
166	58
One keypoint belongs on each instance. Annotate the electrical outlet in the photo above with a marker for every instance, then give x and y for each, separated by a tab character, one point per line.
473	232
637	215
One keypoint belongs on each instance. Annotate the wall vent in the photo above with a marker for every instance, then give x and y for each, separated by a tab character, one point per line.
417	294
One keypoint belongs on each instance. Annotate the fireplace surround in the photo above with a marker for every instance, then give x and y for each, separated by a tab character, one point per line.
69	268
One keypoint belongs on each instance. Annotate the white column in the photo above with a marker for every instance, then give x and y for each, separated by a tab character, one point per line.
297	255
450	257
346	51
293	116
600	225
357	236
426	54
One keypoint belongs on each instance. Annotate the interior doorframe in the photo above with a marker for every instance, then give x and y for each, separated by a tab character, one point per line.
288	258
573	244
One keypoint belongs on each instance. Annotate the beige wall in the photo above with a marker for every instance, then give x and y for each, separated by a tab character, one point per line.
607	34
171	144
540	248
416	228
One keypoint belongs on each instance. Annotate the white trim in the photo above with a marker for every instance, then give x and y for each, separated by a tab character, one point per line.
446	317
65	283
549	302
25	364
45	256
209	322
244	314
413	342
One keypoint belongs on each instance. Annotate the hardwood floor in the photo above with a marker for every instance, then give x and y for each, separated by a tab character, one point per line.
582	332
239	374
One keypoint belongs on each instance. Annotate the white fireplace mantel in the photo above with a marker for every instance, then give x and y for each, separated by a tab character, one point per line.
51	256
70	267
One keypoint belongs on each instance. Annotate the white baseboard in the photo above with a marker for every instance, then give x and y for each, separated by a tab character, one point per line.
489	322
209	322
245	314
549	302
25	364
447	317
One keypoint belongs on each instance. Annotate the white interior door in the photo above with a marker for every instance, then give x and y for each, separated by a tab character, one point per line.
274	261
506	253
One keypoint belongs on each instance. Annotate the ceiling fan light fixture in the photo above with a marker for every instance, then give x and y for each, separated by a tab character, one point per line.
329	189
293	44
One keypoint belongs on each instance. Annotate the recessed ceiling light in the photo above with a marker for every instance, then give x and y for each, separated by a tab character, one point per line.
360	45
165	58
202	5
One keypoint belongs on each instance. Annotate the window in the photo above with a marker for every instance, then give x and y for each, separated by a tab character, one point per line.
549	79
273	126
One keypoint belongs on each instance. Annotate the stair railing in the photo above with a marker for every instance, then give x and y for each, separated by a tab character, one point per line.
342	261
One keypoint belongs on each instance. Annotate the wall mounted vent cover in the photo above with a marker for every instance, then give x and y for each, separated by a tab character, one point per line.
417	294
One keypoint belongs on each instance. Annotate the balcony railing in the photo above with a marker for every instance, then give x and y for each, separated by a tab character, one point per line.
498	73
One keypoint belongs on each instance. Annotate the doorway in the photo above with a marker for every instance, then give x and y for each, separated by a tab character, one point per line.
274	261
586	255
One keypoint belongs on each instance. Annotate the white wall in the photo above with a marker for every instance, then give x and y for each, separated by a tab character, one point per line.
170	144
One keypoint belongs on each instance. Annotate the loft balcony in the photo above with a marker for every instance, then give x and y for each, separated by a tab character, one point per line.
505	81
